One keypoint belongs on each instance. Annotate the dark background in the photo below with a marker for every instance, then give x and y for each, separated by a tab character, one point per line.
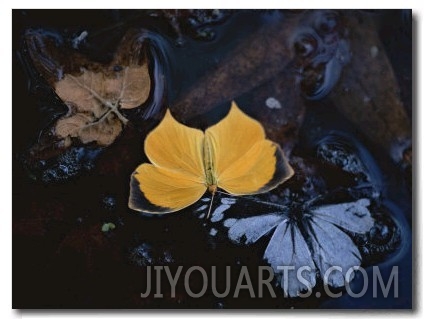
61	259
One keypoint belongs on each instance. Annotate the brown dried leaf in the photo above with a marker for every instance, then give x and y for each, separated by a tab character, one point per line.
70	126
103	132
94	99
137	87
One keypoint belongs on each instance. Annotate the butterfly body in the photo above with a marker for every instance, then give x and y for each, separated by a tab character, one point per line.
212	188
210	176
233	155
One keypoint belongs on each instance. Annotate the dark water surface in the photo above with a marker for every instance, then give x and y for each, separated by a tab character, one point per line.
64	253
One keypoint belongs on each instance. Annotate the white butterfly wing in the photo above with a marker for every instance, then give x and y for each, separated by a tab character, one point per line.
352	216
332	248
287	247
252	228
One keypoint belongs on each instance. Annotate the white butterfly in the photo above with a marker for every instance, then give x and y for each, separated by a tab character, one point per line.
313	238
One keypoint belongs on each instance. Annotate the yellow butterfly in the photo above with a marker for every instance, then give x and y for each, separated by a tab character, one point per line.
233	155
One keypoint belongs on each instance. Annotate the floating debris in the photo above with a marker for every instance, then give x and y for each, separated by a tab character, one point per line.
106	227
273	103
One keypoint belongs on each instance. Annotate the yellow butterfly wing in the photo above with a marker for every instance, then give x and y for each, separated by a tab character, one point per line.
175	178
174	146
244	161
157	190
